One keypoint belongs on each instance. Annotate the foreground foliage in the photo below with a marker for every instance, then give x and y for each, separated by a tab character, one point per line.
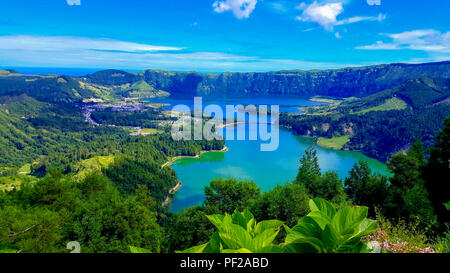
323	230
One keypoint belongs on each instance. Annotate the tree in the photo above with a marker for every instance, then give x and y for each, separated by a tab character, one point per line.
128	173
328	185
31	230
108	222
365	188
416	151
180	236
287	203
408	196
309	166
227	195
437	173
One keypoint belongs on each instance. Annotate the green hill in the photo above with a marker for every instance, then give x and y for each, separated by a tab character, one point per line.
417	93
381	124
30	128
51	88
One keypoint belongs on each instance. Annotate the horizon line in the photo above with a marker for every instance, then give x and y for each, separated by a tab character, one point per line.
99	69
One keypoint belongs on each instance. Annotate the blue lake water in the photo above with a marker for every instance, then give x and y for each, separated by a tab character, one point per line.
245	160
286	104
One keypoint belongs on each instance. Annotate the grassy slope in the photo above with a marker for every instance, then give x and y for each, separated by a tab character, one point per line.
390	104
333	143
87	166
150	131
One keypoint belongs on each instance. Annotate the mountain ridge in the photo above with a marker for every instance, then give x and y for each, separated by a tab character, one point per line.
119	84
343	82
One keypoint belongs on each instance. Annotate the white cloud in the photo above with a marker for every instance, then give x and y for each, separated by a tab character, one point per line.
49	51
240	8
73	2
61	43
357	19
326	13
428	40
322	13
379	45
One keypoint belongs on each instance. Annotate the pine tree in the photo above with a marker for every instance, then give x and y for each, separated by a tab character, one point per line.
309	169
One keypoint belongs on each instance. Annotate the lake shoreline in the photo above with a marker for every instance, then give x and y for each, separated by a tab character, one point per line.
174	159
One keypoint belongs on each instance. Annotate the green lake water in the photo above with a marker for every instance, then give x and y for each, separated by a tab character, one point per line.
244	160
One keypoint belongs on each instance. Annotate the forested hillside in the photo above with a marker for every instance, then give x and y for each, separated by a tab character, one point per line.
346	82
381	124
39	137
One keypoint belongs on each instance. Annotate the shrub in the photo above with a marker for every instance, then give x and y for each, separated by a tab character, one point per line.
400	236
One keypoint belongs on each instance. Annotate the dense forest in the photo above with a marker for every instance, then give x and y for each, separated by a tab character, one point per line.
38	138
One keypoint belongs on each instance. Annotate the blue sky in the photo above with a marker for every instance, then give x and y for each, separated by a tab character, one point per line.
222	35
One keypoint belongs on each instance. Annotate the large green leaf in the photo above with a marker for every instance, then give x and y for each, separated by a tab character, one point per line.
265	238
270	249
330	238
307	231
322	230
347	244
320	218
240	232
268	224
9	251
194	249
137	250
366	227
241	250
312	242
348	218
214	244
326	230
319	204
216	220
235	237
300	248
352	240
239	219
306	227
248	215
251	225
